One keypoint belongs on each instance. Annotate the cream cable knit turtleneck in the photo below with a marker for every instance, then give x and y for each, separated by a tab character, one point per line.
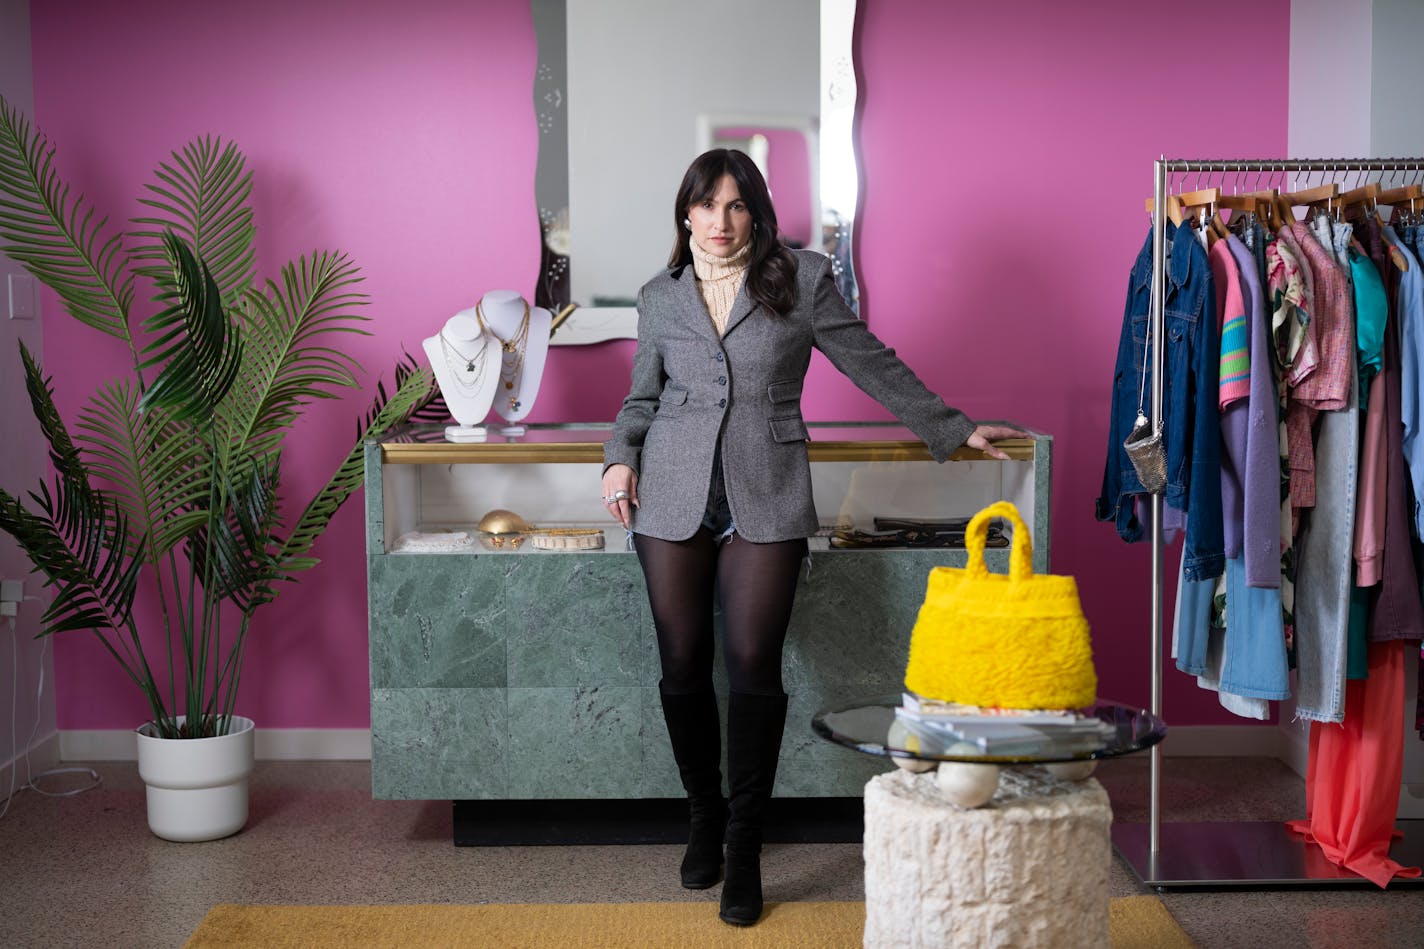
720	280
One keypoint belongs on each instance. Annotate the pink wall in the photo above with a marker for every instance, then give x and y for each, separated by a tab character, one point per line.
1006	150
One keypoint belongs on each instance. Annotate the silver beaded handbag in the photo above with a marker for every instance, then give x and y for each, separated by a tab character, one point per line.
1143	444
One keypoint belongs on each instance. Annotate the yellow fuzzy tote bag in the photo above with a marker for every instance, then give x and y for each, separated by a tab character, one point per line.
1016	641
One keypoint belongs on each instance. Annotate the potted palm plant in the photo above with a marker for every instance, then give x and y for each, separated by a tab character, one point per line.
165	487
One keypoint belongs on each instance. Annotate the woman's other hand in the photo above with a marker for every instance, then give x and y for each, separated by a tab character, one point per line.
985	434
620	492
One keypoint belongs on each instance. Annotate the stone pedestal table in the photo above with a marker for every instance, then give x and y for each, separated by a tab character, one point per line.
1029	869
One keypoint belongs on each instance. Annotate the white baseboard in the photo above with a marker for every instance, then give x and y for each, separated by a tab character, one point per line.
272	744
43	755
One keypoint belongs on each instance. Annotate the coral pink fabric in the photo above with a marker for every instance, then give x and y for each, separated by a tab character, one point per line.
1352	781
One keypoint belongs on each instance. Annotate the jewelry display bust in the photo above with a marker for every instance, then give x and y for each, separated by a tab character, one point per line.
466	363
521	341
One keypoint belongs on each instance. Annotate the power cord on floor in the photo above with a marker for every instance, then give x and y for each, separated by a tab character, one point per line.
32	779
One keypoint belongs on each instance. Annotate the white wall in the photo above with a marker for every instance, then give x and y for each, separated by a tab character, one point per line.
1355	83
22	464
1330	54
1397	79
640	71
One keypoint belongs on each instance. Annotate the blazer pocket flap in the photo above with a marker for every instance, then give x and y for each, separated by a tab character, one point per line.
789	391
673	395
792	429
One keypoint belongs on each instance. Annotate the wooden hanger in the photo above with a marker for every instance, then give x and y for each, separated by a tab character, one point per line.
1413	195
1321	194
1407	194
1369	192
1201	206
1174	208
1240	202
1266	207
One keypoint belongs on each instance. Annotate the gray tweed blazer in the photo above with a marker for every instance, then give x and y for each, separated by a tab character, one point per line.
689	386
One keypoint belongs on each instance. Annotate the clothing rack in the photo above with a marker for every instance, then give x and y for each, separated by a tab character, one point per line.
1236	853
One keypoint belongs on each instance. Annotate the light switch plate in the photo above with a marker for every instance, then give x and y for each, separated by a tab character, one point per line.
23	302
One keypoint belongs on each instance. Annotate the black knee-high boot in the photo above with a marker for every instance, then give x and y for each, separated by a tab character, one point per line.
754	727
696	731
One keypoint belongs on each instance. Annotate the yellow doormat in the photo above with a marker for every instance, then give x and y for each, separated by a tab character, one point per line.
1137	922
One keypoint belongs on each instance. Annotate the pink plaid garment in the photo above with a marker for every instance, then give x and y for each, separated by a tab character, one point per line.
1328	388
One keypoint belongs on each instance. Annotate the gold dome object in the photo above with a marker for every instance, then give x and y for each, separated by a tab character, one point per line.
500	521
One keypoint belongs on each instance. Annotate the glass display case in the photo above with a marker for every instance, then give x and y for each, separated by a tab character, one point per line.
503	669
874	485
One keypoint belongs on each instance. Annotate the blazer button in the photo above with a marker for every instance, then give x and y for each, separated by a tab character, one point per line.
718	357
721	380
721	403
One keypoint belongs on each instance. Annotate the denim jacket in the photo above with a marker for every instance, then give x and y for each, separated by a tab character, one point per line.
1190	422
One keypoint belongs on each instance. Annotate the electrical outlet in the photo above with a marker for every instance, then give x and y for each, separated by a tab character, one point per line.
23	302
12	591
9	609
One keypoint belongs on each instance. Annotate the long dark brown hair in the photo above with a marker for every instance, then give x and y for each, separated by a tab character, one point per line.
771	268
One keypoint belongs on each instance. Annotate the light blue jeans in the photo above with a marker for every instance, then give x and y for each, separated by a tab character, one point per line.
1254	658
1325	547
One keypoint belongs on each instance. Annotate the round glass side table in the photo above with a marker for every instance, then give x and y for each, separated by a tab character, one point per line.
864	725
965	856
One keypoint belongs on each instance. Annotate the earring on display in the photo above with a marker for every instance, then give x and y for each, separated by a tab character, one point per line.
687	223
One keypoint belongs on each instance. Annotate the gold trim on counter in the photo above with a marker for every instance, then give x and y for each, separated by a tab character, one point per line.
517	453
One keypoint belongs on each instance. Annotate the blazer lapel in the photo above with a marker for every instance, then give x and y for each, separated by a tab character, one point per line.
741	309
693	308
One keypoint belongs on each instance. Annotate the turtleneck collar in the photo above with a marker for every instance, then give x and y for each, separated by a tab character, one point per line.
712	267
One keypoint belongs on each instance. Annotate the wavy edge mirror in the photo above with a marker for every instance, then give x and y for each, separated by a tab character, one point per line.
836	175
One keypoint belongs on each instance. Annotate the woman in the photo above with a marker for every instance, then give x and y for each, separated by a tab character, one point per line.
707	466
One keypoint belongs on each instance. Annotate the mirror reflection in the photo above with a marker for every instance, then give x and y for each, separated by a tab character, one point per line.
628	92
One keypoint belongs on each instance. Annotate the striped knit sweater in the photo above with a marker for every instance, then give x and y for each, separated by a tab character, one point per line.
1235	380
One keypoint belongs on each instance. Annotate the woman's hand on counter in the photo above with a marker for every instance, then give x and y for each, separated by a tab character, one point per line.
620	493
985	434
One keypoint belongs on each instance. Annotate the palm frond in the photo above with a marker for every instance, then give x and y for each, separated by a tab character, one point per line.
159	466
287	364
199	349
429	410
202	197
62	451
413	390
243	567
79	543
54	236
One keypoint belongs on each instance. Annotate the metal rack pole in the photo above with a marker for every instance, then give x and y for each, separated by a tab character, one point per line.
1156	325
1238	853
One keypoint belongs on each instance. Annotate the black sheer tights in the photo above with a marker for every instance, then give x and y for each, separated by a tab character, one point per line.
756	584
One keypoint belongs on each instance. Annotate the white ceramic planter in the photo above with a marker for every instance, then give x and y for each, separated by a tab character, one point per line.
197	787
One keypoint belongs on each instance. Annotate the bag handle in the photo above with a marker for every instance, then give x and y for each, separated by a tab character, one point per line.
977	534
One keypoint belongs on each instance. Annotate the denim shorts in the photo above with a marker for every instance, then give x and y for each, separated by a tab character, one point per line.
717	518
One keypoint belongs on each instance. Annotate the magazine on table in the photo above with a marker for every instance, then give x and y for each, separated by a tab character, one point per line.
1001	730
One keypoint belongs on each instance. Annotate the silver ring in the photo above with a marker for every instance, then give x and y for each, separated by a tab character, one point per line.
620	494
609	500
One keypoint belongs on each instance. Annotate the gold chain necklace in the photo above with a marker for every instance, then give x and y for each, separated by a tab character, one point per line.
472	374
511	359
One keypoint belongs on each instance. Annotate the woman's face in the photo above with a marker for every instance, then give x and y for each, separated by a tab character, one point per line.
721	224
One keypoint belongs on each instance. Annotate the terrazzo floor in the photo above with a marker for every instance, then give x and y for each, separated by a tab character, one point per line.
85	871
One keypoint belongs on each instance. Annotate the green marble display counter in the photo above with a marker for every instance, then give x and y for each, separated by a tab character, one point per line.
533	675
